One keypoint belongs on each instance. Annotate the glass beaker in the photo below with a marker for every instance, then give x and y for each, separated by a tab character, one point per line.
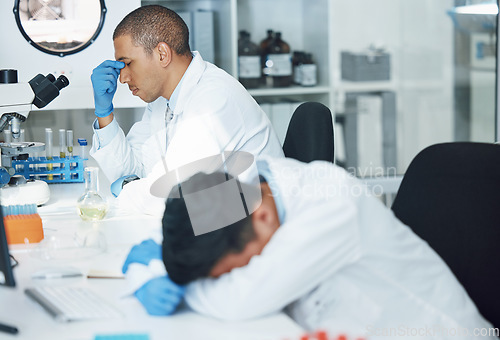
91	205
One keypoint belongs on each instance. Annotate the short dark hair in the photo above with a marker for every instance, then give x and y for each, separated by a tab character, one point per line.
188	257
149	25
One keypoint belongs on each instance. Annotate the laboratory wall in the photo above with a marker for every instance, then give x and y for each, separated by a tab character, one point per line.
18	54
418	35
73	108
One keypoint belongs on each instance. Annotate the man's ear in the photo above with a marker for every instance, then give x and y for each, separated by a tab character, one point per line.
164	54
263	216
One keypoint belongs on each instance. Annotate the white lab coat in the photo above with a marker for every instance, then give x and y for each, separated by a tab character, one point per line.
213	113
341	261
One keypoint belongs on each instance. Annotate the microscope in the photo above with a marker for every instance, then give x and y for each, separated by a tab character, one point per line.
16	100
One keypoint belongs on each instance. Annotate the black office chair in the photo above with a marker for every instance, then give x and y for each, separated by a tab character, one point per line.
310	134
450	197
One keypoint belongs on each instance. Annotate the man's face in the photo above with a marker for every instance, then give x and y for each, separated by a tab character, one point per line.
142	72
237	260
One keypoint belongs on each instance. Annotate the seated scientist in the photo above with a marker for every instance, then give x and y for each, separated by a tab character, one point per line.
194	109
320	247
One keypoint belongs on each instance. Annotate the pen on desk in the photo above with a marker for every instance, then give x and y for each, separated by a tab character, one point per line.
8	329
105	277
56	276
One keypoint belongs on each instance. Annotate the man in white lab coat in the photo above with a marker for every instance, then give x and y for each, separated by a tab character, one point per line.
194	108
324	249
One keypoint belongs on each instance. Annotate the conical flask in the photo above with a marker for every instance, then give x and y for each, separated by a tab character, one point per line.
91	205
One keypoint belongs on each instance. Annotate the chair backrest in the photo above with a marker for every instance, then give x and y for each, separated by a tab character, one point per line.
450	197
310	133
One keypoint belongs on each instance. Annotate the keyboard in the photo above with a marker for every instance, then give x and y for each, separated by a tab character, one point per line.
72	303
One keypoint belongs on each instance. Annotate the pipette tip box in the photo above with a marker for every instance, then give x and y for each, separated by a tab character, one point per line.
22	224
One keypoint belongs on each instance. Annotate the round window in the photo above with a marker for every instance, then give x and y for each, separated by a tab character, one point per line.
60	27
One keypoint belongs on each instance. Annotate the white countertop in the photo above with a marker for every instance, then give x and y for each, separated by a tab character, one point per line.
64	234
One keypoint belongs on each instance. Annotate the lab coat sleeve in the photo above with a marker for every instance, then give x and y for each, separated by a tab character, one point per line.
123	155
299	256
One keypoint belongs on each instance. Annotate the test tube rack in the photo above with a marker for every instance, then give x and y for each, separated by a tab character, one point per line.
64	170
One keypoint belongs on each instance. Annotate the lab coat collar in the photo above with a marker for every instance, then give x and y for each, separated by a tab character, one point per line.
175	95
189	80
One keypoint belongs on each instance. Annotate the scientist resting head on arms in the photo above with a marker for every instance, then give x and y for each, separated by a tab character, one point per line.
194	109
319	246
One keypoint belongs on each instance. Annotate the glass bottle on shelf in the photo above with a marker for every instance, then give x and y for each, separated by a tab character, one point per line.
297	61
264	50
91	205
278	66
241	38
309	71
248	62
267	40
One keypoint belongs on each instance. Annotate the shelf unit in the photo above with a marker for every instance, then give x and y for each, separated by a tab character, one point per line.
325	28
309	32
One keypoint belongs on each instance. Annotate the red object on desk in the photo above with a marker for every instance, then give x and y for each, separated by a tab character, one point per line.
321	335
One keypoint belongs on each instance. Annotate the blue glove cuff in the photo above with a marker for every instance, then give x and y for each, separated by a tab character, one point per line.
104	113
116	186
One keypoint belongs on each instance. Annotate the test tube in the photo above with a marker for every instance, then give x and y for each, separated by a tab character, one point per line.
62	143
83	150
36	159
48	151
62	149
69	137
69	141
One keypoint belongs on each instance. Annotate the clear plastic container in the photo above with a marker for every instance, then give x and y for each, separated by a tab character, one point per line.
82	142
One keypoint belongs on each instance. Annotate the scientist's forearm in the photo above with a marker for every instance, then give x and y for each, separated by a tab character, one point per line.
104	121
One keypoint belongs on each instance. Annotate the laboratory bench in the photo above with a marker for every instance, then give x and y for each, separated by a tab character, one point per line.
103	246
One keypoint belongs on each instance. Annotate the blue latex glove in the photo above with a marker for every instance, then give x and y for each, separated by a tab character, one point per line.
104	81
143	253
117	186
160	296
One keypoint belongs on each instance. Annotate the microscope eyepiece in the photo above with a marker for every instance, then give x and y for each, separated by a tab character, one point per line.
61	82
47	88
8	76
